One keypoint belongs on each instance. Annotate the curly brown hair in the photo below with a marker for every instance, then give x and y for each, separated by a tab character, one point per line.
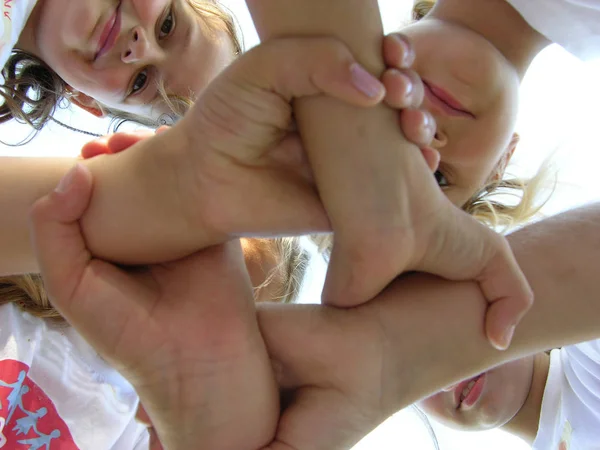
32	91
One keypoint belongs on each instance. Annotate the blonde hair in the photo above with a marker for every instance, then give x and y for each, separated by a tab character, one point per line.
27	292
32	91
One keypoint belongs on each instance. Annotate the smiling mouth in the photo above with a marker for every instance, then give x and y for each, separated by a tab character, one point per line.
468	392
444	102
110	33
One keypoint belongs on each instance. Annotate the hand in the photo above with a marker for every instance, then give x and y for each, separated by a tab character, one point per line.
184	333
426	233
245	118
331	364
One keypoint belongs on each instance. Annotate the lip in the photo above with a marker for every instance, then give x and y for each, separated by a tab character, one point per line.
473	396
110	33
444	102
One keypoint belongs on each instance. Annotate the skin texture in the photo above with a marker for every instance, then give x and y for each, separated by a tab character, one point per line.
354	368
24	180
387	214
477	51
160	39
504	393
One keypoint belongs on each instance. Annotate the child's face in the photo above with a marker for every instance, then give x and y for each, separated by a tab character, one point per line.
491	402
484	86
114	51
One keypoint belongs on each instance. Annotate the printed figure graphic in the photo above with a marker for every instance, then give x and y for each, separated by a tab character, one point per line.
28	418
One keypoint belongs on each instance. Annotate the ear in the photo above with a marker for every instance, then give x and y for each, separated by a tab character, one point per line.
505	158
86	103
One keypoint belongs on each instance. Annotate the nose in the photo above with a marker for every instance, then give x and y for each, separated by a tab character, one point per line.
138	47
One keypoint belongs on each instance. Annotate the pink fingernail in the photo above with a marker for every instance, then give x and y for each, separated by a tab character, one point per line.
365	82
507	338
66	181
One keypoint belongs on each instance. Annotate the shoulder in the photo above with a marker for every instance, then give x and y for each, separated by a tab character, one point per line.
573	24
570	413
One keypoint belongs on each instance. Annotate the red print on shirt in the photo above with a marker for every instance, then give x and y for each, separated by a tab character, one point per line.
28	418
7	8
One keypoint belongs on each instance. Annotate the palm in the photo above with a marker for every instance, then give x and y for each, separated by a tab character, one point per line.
188	334
335	399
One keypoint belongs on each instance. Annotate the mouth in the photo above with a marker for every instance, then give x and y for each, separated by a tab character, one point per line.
445	102
110	33
467	393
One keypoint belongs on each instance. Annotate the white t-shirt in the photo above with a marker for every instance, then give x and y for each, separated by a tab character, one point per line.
573	24
570	417
14	16
57	393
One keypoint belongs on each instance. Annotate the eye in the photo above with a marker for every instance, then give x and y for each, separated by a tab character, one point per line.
441	179
139	82
167	25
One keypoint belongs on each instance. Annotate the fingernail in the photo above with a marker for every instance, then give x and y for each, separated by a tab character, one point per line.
408	55
66	181
409	87
365	82
507	338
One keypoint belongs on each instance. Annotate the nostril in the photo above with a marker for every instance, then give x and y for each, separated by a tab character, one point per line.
436	136
135	36
127	53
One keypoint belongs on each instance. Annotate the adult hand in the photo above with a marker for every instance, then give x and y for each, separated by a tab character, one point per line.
183	333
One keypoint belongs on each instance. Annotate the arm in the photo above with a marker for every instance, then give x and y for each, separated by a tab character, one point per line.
340	138
124	184
424	334
22	182
387	213
560	257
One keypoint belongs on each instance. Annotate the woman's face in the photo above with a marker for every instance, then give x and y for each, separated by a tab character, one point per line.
115	51
472	91
491	401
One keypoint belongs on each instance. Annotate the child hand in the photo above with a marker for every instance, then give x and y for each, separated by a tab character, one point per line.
427	234
184	333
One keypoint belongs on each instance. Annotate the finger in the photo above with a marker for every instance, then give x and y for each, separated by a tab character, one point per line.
96	147
468	250
304	67
418	126
432	158
398	51
122	141
57	240
505	286
96	298
404	88
399	89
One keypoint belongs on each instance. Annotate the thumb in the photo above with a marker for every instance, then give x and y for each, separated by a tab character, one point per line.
469	250
299	67
56	236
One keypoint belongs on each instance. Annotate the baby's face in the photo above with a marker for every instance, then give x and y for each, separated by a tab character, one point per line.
472	91
492	399
116	51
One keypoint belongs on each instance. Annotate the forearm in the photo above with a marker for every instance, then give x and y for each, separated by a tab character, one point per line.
438	339
134	214
22	182
337	135
138	212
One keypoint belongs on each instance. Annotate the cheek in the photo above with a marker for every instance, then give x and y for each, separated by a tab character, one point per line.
438	407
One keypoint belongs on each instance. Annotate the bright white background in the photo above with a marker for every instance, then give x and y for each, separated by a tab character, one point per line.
559	115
